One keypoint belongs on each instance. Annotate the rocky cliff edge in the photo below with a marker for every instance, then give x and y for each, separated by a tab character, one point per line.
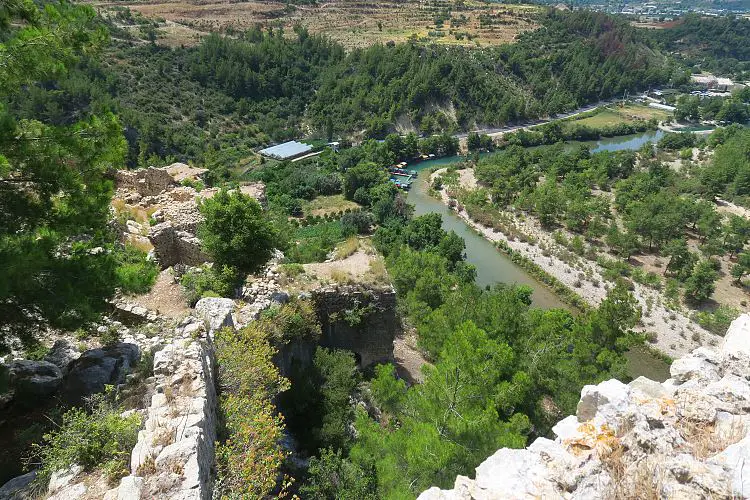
684	438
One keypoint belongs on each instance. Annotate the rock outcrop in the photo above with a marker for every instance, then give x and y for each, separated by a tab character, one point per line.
34	380
173	210
683	438
97	368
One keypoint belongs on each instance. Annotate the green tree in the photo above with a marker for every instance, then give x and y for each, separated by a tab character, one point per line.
681	259
236	232
53	194
742	267
701	283
333	477
362	178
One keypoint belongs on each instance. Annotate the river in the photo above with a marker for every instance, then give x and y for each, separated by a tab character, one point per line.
493	266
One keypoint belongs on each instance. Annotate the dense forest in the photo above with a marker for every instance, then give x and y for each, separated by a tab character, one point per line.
213	103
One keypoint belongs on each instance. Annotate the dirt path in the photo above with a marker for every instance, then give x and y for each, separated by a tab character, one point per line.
166	297
409	360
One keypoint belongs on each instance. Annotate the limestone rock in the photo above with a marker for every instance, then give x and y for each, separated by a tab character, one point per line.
18	488
61	479
62	353
685	438
216	312
606	400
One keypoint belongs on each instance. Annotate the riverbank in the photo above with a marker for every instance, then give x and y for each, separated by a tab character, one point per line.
669	331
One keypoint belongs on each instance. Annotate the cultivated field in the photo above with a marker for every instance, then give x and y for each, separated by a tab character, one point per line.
354	23
616	115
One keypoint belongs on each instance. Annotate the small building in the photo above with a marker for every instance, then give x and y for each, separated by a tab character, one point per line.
287	150
663	107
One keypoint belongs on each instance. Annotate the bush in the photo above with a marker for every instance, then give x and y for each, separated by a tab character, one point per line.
717	321
356	223
136	273
249	454
97	438
206	281
236	232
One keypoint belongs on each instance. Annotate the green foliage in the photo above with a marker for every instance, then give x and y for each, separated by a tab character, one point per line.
700	285
136	273
313	243
360	179
717	321
236	232
294	321
317	406
249	455
54	196
96	437
333	477
715	44
209	281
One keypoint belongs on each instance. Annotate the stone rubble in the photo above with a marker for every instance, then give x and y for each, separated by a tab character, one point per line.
173	208
684	438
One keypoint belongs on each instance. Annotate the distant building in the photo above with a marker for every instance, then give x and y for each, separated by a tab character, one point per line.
663	107
709	81
287	150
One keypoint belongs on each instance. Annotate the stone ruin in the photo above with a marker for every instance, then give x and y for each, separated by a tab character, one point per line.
354	318
684	438
173	210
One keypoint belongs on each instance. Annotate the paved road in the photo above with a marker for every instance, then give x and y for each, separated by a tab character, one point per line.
496	132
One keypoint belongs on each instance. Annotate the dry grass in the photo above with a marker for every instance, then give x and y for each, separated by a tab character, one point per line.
341	277
638	482
705	439
347	248
353	23
377	272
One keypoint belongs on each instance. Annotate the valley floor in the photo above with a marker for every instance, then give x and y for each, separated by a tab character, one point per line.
675	333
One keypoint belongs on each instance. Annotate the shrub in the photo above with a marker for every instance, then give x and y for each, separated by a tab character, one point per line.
97	438
249	454
135	272
717	321
236	232
296	320
356	223
207	281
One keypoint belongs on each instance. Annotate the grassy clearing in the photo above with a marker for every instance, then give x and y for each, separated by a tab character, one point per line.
616	115
643	112
324	205
604	118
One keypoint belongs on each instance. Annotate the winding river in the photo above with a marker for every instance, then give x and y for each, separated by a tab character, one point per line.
494	266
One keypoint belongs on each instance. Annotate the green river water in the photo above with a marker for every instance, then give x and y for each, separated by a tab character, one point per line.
493	266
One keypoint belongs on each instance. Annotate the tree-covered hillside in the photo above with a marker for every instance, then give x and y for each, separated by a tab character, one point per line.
213	103
717	44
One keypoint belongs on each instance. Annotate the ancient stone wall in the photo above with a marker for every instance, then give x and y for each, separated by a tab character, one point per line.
174	455
684	438
359	319
145	181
